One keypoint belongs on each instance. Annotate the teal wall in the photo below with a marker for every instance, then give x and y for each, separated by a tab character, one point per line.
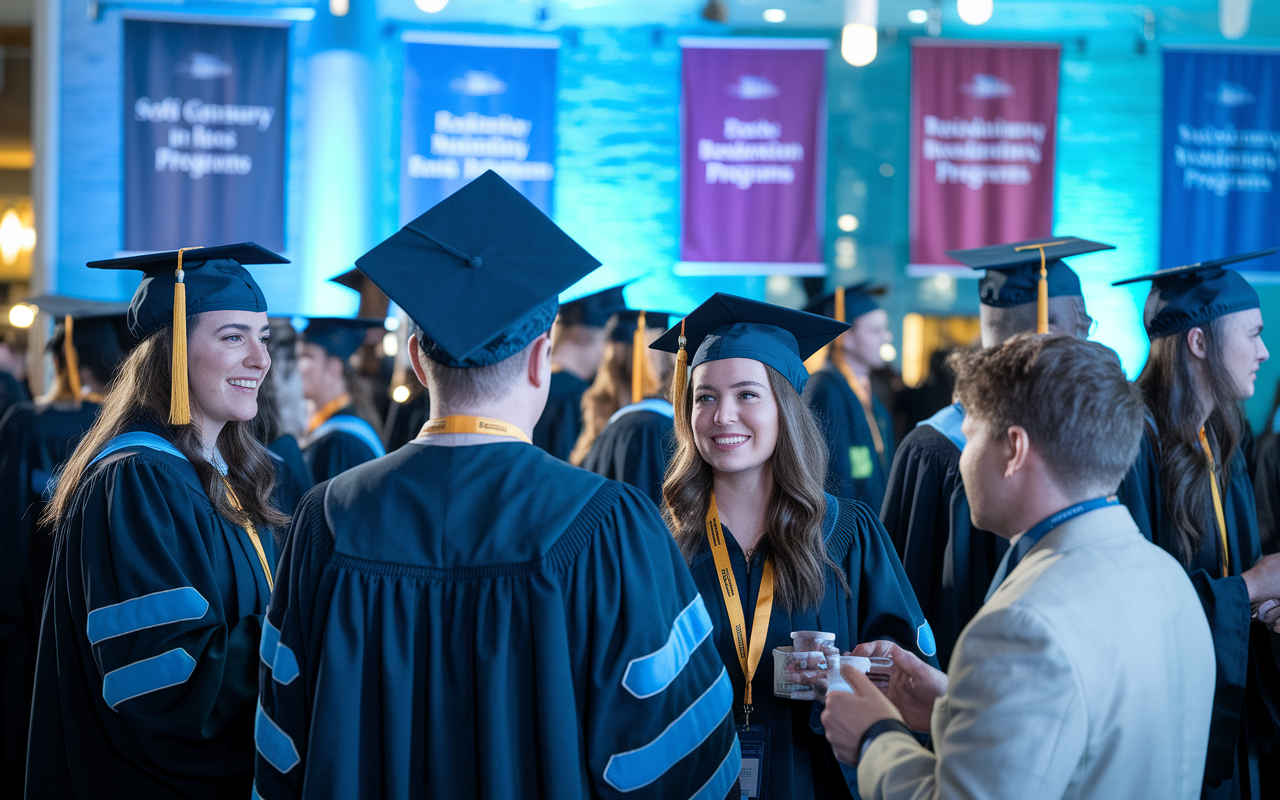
617	182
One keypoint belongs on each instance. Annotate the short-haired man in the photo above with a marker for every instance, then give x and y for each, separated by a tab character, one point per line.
1089	672
469	616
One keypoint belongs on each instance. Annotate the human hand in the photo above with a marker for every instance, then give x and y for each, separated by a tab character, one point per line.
808	669
848	715
1263	579
913	685
1268	613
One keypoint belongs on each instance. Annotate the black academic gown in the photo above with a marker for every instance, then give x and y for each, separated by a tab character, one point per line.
635	447
330	451
948	560
405	420
293	477
34	442
880	605
486	621
1266	488
12	392
148	664
854	469
1245	726
561	422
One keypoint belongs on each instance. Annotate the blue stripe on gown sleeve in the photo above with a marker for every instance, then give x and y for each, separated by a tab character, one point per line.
146	676
633	769
651	674
273	743
726	776
147	611
279	657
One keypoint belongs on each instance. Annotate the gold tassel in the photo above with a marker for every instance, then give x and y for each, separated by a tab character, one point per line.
680	380
1042	298
179	397
840	304
638	361
73	366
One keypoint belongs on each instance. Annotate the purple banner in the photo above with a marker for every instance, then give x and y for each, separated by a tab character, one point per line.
752	171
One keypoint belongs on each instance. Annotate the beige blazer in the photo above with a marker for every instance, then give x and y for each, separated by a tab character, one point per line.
1089	674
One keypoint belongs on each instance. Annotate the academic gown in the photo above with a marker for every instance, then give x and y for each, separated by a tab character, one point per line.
148	662
1266	488
341	442
293	477
880	605
854	469
12	392
405	420
948	560
1244	734
486	621
34	442
635	447
561	422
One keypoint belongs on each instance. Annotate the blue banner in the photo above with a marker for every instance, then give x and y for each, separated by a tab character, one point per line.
1221	192
474	103
204	134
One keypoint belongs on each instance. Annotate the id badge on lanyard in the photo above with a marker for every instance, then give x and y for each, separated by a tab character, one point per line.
754	739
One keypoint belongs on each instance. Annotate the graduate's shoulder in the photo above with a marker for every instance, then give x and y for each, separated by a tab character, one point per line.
825	384
854	521
928	444
565	385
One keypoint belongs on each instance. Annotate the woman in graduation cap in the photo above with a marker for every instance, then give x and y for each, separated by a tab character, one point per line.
857	426
148	662
35	439
341	433
1205	326
744	498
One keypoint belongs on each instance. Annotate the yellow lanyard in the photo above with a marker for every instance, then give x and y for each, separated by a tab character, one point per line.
463	424
867	409
748	655
253	537
1217	502
328	410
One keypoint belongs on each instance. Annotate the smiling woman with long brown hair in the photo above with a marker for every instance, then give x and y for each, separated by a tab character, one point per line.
767	546
149	649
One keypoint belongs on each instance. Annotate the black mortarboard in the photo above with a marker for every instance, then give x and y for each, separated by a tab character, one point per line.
1013	270
846	303
352	279
479	273
1185	297
339	336
594	309
88	335
625	328
178	283
726	326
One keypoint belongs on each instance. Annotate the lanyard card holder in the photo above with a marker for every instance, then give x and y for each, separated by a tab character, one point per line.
753	779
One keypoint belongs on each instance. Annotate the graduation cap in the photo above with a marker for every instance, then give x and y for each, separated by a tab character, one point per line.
847	302
727	326
99	338
353	279
479	273
217	282
630	327
1028	272
594	309
340	336
1185	297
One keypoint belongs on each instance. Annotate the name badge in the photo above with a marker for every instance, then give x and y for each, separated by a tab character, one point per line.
753	779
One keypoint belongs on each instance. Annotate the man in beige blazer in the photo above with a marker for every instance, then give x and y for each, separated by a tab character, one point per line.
1089	672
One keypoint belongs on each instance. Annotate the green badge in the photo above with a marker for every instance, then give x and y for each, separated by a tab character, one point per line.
860	462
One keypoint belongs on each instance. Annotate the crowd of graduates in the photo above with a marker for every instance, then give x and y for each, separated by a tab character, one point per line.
559	565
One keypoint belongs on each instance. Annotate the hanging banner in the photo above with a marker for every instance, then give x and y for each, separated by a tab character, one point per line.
982	144
472	103
753	141
204	134
1221	193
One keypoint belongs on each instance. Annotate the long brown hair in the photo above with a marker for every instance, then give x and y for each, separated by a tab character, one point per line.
610	391
1169	388
793	523
140	394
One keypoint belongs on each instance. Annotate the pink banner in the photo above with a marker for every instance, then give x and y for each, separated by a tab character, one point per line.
982	143
754	119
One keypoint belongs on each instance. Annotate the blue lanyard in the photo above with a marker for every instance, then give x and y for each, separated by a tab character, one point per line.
1028	540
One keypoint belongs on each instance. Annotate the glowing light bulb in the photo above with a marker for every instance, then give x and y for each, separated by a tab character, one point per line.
975	12
400	393
339	8
11	236
390	344
22	315
888	352
917	16
775	15
847	222
858	44
431	6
